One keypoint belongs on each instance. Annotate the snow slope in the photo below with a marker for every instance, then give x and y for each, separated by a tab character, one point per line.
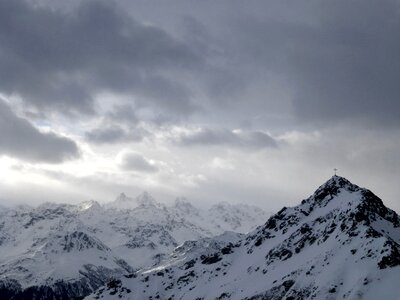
65	250
340	243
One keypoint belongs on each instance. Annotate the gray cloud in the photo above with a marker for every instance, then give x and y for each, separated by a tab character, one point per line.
264	66
114	134
332	60
60	60
304	64
340	59
124	114
105	135
20	139
215	137
133	161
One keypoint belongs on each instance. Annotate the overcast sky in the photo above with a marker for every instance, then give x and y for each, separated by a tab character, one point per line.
241	101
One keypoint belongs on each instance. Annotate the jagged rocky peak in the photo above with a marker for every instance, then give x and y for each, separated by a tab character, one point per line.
184	205
330	189
338	204
123	198
365	205
80	241
145	199
89	205
125	202
338	182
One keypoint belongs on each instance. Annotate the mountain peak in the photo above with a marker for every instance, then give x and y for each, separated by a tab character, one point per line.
182	202
340	243
340	182
121	202
184	205
124	202
332	187
89	205
145	199
123	197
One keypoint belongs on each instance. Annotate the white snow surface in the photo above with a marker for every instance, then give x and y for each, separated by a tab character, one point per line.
53	242
340	243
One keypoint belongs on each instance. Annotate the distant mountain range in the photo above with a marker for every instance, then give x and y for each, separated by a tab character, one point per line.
340	243
62	251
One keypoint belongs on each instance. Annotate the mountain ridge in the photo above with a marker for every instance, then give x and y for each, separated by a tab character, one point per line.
342	242
65	250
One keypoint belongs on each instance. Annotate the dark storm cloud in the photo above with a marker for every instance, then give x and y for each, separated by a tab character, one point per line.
60	60
21	139
114	134
339	59
218	137
124	113
105	135
132	161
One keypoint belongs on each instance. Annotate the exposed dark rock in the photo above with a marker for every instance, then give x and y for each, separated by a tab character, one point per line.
393	258
211	259
190	264
186	277
276	293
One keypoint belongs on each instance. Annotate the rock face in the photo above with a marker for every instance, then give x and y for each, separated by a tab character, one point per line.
59	251
340	243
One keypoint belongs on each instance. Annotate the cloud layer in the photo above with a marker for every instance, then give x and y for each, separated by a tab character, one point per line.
228	138
227	99
21	139
328	62
132	161
61	60
114	134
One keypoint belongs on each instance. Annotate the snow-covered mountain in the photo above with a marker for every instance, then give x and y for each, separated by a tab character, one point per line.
340	243
67	251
